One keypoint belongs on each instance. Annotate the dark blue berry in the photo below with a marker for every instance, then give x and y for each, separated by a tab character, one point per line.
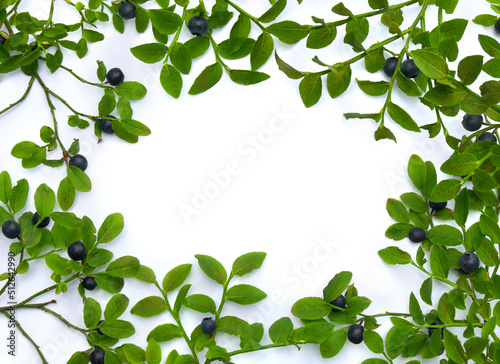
115	76
437	206
355	333
208	325
469	262
472	122
198	25
106	125
97	356
89	283
37	218
78	161
126	10
487	137
417	235
339	302
409	68
11	229
77	251
390	66
497	26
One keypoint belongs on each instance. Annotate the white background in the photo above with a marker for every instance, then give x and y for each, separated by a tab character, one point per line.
313	197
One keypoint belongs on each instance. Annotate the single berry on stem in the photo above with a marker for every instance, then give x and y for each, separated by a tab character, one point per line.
115	76
208	325
417	235
36	217
106	125
472	122
355	333
78	161
97	356
437	206
89	283
339	302
409	68
77	251
390	66
11	229
198	25
469	262
487	137
126	10
497	26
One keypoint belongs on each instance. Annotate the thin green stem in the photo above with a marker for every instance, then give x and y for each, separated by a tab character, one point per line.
33	305
51	13
252	18
176	36
48	289
12	276
244	351
79	78
28	88
179	323
25	334
62	319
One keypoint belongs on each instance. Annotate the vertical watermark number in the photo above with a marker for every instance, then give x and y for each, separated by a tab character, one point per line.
11	296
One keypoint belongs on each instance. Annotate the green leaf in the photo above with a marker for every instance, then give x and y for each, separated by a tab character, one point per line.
19	195
251	336
311	308
469	68
231	325
489	227
165	21
133	353
446	190
181	296
116	307
373	88
110	228
486	20
65	194
145	274
123	267
440	264
79	180
454	348
261	50
107	104
430	63
288	31
445	95
153	352
92	35
45	200
287	69
197	46
397	211
333	344
459	164
490	92
246	77
245	294
398	231
483	181
489	45
321	37
171	80
310	89
91	312
150	52
373	341
133	127
492	67
394	255
447	5
414	202
206	79
248	262
180	56
212	268
108	283
337	285
201	303
401	117
338	82
445	235
165	332
149	306
25	149
426	291
131	90
119	329
5	187
175	277
281	330
407	85
415	311
239	33
272	13
475	346
314	332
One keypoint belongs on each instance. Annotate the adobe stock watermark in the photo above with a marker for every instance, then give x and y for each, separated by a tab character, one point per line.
247	152
11	296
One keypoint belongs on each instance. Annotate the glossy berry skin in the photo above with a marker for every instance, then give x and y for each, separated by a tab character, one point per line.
497	26
437	206
339	302
126	10
37	218
409	68
208	325
355	333
78	161
487	137
417	235
469	262
11	229
472	122
98	330
89	283
77	251
390	66
115	76
97	356
198	25
106	125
